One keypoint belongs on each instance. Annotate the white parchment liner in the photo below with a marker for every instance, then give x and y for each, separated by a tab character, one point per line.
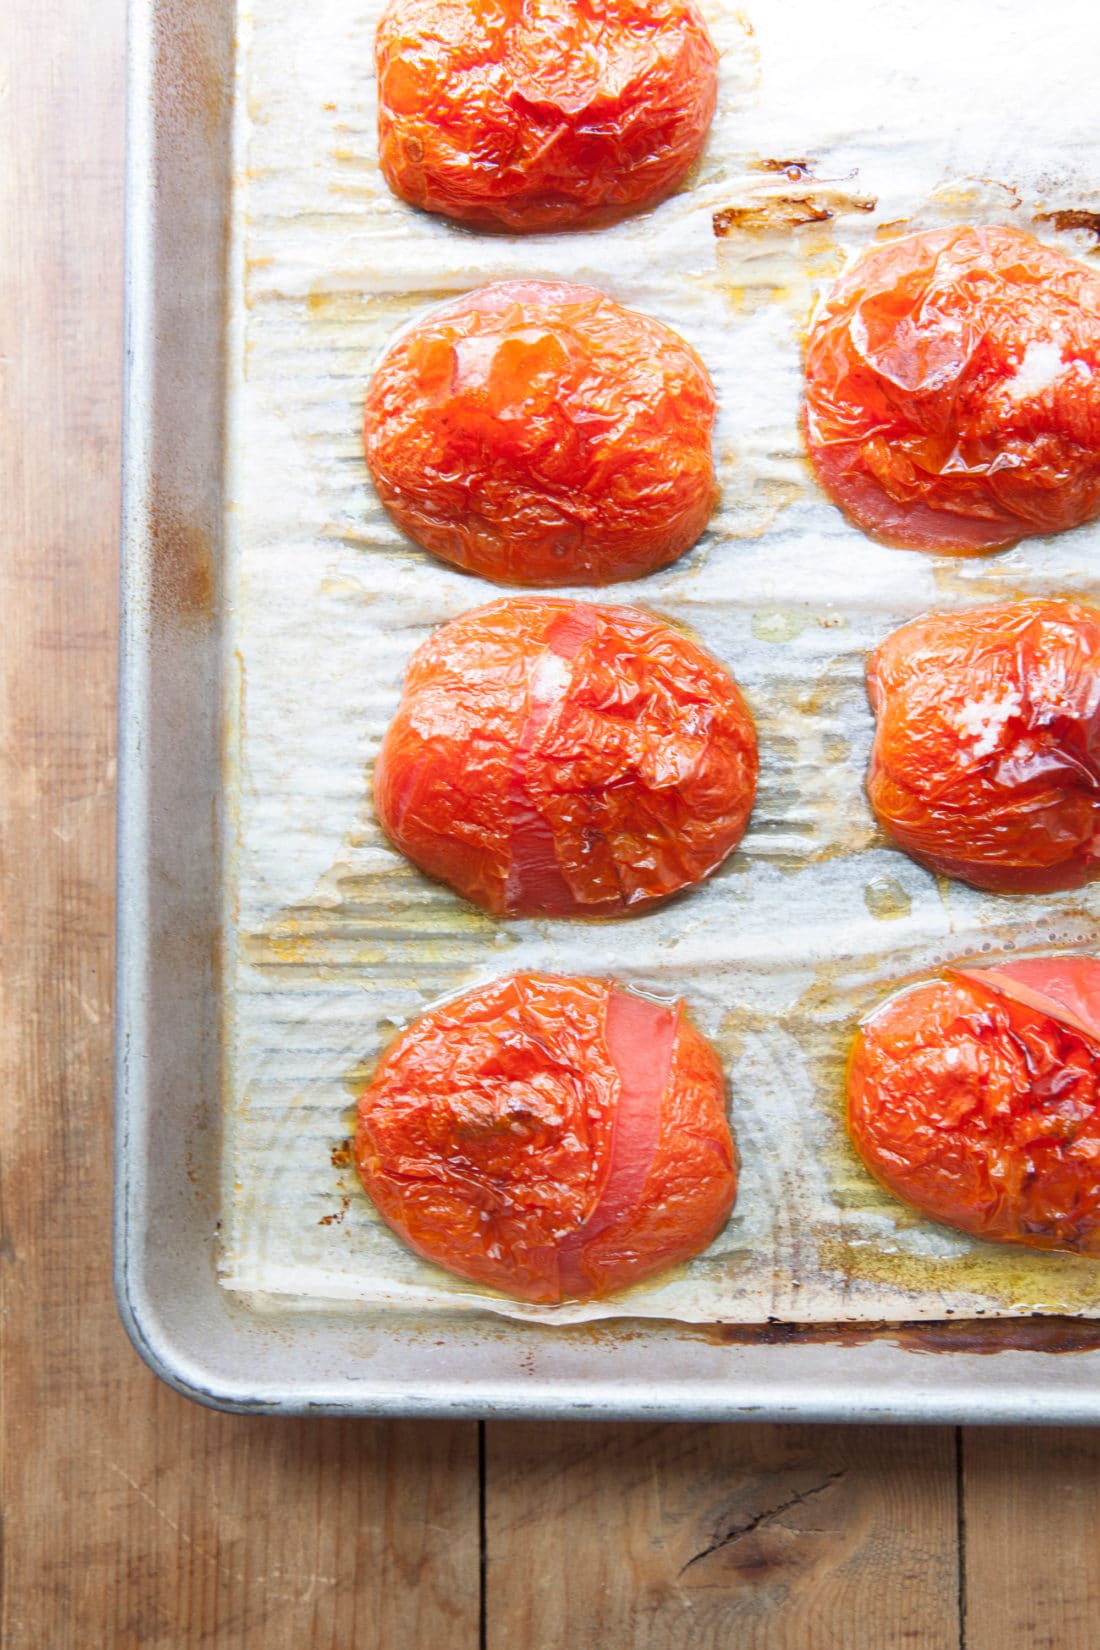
903	114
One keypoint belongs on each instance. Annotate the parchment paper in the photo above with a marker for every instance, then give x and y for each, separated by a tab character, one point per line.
900	115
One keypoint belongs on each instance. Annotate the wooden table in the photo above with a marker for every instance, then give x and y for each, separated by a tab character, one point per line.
133	1518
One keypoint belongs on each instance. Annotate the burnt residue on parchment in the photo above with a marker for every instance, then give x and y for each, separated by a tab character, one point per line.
1073	217
801	198
776	234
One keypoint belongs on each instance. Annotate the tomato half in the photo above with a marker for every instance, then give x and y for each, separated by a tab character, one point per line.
986	759
550	1137
537	433
541	114
953	391
976	1098
557	757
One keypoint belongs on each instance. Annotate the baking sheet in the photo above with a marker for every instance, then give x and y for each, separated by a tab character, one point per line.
896	115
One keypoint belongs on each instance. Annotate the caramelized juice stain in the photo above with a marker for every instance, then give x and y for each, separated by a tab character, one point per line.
811	779
779	624
776	240
977	579
886	899
1019	1279
752	502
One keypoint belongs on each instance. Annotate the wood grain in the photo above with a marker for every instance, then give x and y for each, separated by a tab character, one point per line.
1032	1539
131	1517
763	1537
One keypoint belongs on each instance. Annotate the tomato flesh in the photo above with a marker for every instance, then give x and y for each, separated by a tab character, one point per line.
549	1138
986	759
565	759
531	115
953	391
536	433
981	1109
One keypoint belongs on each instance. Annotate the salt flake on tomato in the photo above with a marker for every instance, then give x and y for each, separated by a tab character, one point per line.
953	391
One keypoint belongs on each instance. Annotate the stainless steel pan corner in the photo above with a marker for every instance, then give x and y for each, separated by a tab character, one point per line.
201	1339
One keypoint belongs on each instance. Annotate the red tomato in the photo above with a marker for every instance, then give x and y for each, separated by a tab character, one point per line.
986	760
976	1098
555	757
550	1137
953	391
541	114
537	433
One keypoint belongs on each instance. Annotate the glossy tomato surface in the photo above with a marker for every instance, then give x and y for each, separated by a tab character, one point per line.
562	758
986	759
537	433
976	1098
953	391
550	1137
541	114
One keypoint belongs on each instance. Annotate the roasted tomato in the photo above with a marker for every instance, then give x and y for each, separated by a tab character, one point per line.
976	1098
953	391
541	114
555	757
986	760
537	433
550	1137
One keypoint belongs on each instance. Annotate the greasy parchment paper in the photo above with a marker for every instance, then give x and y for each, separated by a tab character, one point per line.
900	115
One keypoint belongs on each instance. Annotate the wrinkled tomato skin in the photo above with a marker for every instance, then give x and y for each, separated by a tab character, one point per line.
536	433
525	116
986	759
562	758
486	1142
953	391
981	1112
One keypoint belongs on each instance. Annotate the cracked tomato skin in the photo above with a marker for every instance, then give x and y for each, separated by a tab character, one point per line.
530	115
550	1138
986	759
982	1110
537	433
559	758
953	391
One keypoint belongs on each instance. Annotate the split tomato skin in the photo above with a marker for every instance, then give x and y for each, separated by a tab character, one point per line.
953	391
537	433
550	1138
983	1111
514	116
566	759
986	759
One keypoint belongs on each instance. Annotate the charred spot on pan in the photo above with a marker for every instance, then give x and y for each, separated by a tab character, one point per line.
194	63
182	578
1073	217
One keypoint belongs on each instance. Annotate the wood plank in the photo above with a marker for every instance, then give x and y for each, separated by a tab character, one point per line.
763	1537
130	1516
1031	1525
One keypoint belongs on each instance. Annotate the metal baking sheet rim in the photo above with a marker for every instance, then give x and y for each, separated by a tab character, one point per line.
189	1330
